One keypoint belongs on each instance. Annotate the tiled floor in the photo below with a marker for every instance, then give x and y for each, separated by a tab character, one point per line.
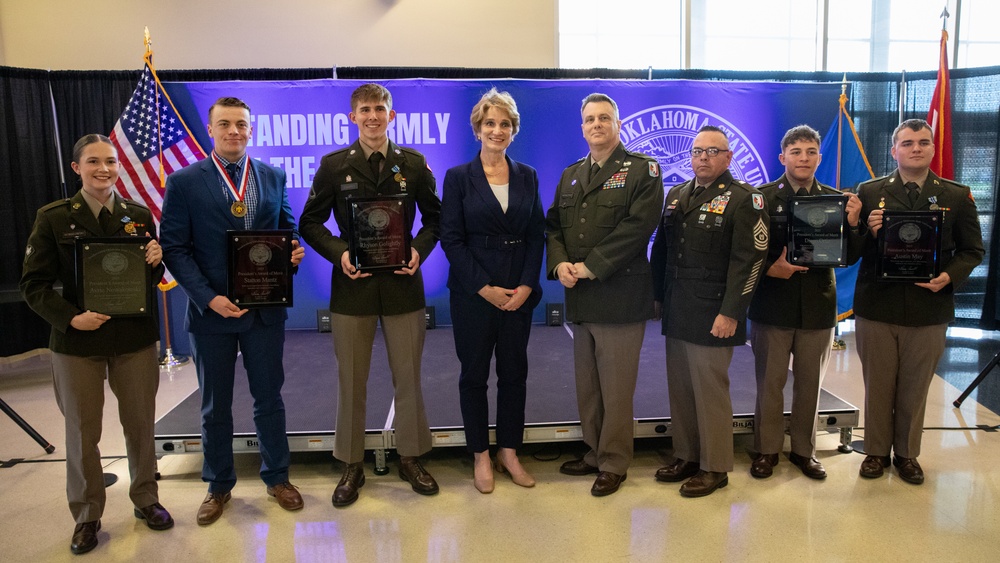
954	516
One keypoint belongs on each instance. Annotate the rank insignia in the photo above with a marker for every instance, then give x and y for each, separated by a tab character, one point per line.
760	235
123	205
352	151
28	251
76	205
573	183
778	209
891	180
654	170
348	178
627	163
758	201
396	151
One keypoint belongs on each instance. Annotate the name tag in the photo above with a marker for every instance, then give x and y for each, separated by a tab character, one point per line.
348	187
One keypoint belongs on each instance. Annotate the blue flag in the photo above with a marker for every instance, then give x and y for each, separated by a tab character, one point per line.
853	169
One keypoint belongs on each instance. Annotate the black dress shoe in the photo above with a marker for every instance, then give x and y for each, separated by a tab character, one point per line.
347	490
704	483
577	467
873	466
607	483
678	470
763	466
85	537
420	480
810	466
909	470
156	517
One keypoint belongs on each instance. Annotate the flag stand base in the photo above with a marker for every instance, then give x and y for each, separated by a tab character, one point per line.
170	361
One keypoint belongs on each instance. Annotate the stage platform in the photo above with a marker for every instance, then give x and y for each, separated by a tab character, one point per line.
551	415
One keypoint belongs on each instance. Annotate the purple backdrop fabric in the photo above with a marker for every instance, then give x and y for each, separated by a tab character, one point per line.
296	123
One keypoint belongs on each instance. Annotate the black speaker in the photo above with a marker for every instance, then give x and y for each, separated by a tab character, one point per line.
322	320
553	314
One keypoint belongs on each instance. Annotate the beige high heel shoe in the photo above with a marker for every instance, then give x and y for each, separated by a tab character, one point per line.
518	475
482	480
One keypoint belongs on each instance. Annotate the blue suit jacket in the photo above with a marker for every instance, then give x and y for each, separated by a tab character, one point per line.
196	216
476	234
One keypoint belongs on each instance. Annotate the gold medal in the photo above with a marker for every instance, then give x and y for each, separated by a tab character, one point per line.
239	209
881	203
398	177
130	228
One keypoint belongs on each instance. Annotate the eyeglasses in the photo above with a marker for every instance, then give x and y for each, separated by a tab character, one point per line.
711	151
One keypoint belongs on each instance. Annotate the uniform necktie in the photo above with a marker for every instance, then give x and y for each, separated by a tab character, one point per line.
801	192
913	191
698	190
233	172
106	221
594	169
375	161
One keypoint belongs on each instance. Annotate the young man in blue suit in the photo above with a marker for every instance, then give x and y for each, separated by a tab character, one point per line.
230	191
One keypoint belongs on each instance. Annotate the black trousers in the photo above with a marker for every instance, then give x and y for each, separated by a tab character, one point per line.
482	330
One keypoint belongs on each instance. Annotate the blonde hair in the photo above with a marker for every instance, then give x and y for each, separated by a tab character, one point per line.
495	99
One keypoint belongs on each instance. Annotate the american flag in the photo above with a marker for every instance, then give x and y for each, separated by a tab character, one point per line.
152	141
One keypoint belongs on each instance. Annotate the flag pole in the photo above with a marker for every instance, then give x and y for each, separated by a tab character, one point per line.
169	360
840	126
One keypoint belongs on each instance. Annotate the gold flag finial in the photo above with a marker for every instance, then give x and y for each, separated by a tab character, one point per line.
146	40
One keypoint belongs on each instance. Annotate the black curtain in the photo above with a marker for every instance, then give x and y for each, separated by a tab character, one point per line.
29	179
88	102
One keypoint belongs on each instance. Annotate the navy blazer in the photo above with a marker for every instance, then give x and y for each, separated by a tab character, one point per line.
196	216
484	245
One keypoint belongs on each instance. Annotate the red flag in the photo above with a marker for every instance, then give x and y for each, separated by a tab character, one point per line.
152	141
939	116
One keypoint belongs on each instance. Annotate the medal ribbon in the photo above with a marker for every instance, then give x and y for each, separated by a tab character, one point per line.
239	194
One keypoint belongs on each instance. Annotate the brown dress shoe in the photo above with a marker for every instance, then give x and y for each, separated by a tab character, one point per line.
156	517
577	467
763	466
211	508
909	470
347	490
678	470
607	483
420	480
287	495
85	537
704	483
810	466
872	467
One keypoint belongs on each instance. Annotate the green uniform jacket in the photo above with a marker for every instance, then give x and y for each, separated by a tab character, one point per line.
346	174
50	258
903	303
607	223
808	300
707	258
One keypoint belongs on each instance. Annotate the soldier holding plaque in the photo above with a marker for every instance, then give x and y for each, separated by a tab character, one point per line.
204	203
901	325
794	309
89	346
373	189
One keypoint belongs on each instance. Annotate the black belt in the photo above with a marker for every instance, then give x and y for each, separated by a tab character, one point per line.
695	274
494	242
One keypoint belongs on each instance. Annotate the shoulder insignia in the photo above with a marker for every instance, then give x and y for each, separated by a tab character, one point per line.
758	201
55	204
654	169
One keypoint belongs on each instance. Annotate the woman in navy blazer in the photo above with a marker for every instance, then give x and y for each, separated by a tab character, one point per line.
492	231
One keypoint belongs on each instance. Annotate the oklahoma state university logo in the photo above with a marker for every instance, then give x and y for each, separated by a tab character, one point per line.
667	133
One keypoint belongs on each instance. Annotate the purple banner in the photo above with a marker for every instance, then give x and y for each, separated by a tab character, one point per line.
296	123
